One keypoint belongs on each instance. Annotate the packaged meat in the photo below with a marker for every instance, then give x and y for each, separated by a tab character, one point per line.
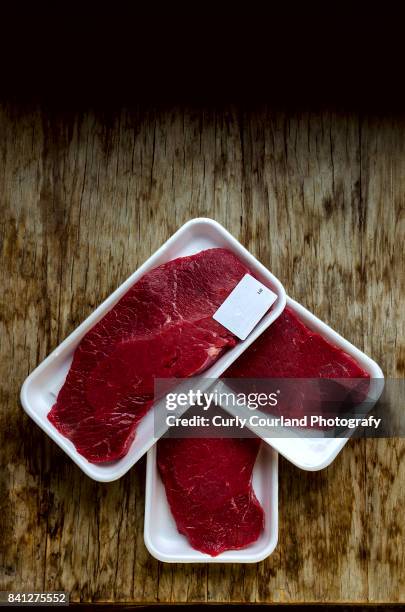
303	346
162	536
208	481
42	387
161	328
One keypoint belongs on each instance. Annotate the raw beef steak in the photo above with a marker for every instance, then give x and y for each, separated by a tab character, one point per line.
289	349
208	485
162	327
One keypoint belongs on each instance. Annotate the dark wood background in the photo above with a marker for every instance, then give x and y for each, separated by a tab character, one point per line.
85	198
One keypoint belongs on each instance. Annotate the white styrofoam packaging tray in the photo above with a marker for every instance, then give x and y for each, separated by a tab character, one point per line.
314	453
40	389
165	543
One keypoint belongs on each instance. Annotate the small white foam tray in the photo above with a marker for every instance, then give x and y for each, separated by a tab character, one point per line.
311	452
40	389
165	543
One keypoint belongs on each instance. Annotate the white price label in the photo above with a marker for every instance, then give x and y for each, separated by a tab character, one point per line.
245	306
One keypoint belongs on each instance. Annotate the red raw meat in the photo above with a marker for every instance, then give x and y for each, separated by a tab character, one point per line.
162	327
289	349
208	485
207	481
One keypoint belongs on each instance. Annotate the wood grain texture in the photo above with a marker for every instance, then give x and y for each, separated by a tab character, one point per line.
85	199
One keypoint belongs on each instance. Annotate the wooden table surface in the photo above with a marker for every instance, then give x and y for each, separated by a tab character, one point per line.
85	198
